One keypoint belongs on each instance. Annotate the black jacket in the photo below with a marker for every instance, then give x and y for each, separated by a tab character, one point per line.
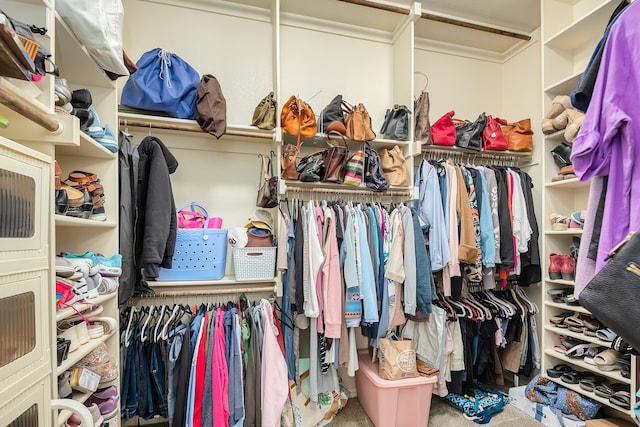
128	159
156	227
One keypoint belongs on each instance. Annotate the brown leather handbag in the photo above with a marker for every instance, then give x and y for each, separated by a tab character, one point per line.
358	123
394	167
297	118
288	158
335	160
519	135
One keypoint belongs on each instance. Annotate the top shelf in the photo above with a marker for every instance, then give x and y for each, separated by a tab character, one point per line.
589	26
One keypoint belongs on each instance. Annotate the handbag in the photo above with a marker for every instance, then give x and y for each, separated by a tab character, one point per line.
164	82
264	115
422	130
187	219
443	131
492	136
354	170
561	154
396	123
310	168
268	186
374	177
297	118
335	161
211	107
613	294
358	123
519	135
332	113
394	167
481	406
469	134
397	358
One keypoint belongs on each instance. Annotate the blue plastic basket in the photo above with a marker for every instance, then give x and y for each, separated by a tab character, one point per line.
200	254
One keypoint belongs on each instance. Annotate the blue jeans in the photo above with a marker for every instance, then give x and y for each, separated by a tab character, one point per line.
145	399
130	385
157	375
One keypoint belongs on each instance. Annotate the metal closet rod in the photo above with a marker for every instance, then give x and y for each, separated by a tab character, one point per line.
189	293
438	18
28	111
388	193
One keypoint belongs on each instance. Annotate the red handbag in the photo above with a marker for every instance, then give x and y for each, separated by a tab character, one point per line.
443	131
492	135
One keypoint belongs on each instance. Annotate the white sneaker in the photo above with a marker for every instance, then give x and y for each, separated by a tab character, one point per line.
85	264
108	285
97	416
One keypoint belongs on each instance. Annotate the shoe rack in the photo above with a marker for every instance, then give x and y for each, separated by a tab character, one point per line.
74	151
570	31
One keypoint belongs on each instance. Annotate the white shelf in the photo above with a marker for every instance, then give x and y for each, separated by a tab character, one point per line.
574	35
78	396
614	375
566	85
555	137
577	335
25	91
74	61
63	313
69	221
560	282
576	388
567	307
226	280
571	183
75	356
569	232
87	147
173	124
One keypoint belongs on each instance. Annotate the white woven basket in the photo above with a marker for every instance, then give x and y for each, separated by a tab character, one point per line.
254	263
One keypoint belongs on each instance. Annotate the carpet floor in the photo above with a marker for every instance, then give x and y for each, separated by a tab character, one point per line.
441	415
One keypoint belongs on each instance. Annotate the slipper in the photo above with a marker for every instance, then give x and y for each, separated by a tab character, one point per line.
559	319
605	360
622	399
574	320
591	323
574	377
588	384
618	344
588	332
606	390
576	329
560	348
570	299
579	350
606	334
558	370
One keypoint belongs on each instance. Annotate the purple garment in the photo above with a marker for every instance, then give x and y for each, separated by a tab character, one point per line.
586	268
606	142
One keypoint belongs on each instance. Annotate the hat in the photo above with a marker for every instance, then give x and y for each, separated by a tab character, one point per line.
237	237
261	219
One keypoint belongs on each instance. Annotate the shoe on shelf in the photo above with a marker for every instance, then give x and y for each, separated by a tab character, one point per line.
558	106
108	285
575	119
108	141
62	92
568	267
73	421
555	266
81	98
107	401
98	420
559	222
88	261
110	267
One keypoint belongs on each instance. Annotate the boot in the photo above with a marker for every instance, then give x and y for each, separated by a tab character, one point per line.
555	266
568	267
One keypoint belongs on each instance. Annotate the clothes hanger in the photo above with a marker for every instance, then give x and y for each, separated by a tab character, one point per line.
127	333
144	337
159	323
420	73
164	333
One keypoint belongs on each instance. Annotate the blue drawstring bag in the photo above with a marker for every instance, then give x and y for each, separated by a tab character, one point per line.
164	82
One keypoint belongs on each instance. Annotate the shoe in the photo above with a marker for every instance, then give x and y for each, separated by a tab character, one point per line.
95	131
73	421
568	267
98	420
62	92
62	202
110	267
88	261
562	155
108	407
65	295
85	116
108	141
553	125
555	266
81	98
71	335
108	285
559	222
574	122
558	105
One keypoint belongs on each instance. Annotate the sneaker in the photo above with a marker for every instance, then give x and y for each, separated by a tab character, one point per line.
108	285
88	262
64	268
110	267
98	420
108	407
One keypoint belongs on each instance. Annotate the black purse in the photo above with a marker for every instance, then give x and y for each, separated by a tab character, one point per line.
469	134
396	123
311	167
374	177
331	113
562	155
613	295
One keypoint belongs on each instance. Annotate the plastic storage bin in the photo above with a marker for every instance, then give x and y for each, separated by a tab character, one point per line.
200	254
254	263
401	403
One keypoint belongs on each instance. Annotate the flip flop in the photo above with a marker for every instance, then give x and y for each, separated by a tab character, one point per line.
622	399
558	370
607	390
588	384
605	360
579	350
606	334
574	377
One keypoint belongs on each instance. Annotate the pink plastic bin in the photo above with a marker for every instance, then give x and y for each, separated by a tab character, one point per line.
401	403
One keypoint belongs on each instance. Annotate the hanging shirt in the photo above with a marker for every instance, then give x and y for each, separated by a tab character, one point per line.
331	287
274	382
487	239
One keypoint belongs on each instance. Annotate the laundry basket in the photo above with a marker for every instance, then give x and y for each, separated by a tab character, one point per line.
199	254
254	263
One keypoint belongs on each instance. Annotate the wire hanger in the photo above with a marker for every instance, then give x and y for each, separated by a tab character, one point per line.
420	73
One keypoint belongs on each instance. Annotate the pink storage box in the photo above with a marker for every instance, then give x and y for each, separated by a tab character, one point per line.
401	403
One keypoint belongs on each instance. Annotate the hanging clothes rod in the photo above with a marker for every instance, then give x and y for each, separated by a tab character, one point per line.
188	127
494	155
388	193
191	292
28	111
438	18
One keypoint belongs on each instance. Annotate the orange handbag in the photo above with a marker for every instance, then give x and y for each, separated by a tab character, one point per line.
519	135
297	118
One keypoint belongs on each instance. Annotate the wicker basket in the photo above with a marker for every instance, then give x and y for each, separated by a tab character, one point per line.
254	263
30	46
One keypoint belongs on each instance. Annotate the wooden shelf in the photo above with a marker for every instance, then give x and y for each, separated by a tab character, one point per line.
578	389
577	335
88	147
63	313
78	396
571	183
69	221
560	282
567	307
614	375
566	85
568	232
75	356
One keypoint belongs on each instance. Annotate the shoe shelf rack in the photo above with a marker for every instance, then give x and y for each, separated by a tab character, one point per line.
64	415
570	31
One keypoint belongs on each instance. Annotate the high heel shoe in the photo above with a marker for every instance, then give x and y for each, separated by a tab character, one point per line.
558	105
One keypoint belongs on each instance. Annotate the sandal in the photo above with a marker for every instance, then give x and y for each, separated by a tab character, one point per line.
606	334
558	370
559	222
558	320
574	377
579	350
574	320
622	399
606	390
605	360
591	323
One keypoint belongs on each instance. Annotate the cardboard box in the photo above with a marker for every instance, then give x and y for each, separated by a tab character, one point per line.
609	422
541	413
